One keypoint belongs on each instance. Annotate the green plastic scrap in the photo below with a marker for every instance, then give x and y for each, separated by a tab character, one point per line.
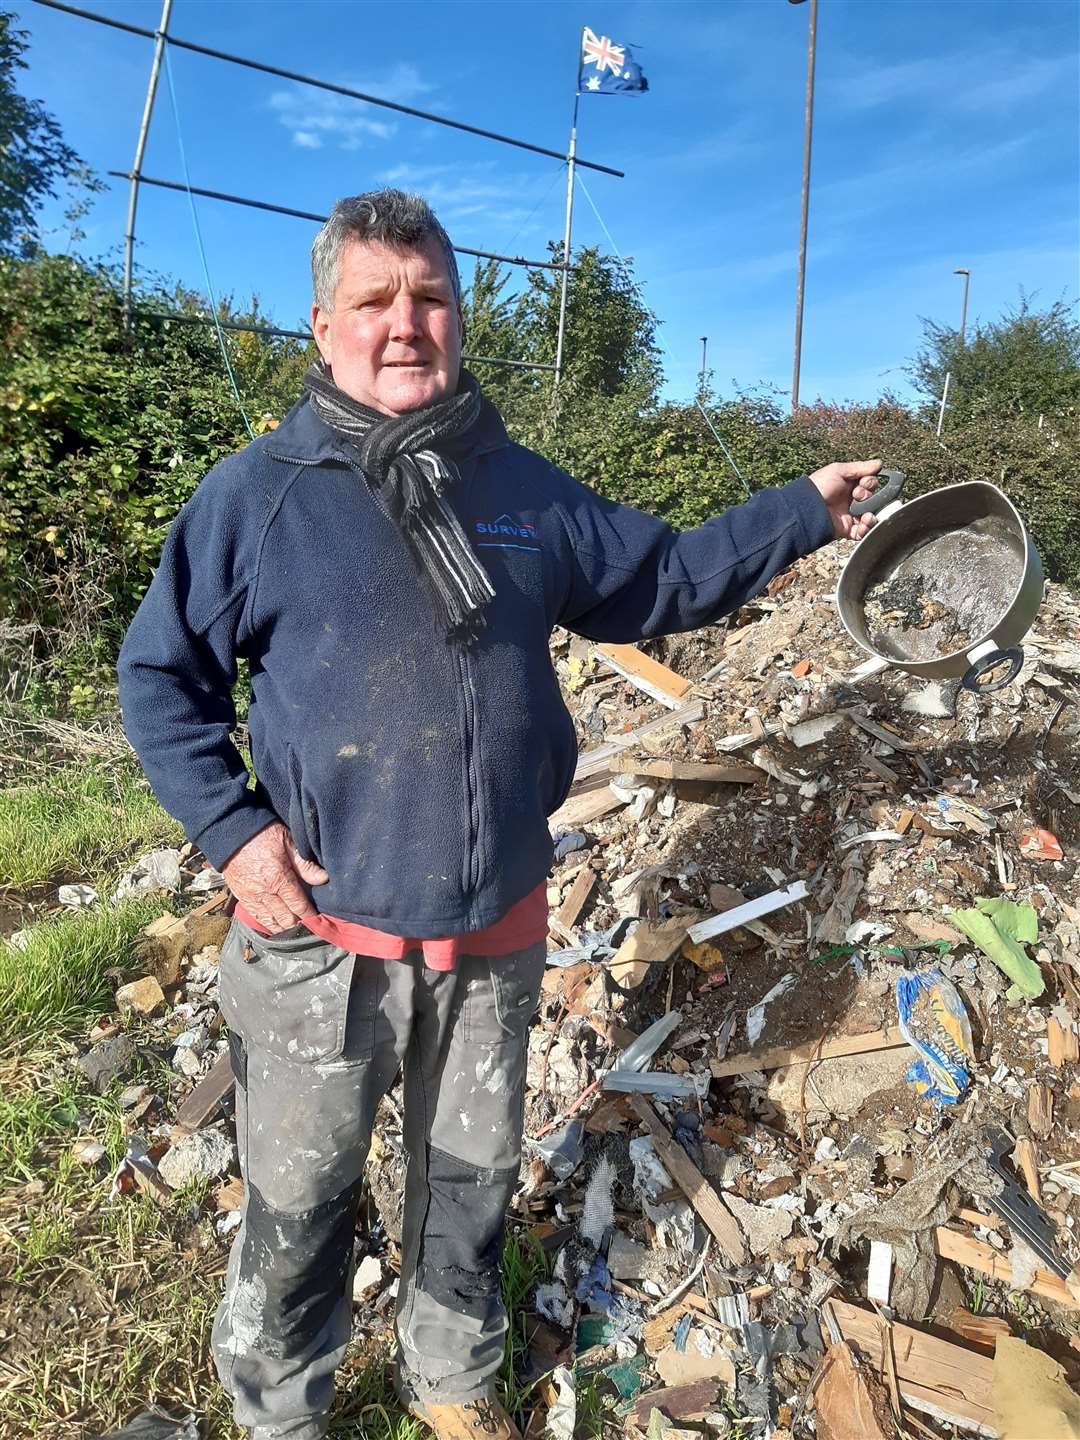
1001	928
628	1375
659	1425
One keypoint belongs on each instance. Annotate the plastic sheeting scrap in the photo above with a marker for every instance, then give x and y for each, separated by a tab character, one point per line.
657	1082
562	1414
755	1017
568	841
159	870
640	1052
595	944
1001	929
77	897
563	1151
155	1424
935	1024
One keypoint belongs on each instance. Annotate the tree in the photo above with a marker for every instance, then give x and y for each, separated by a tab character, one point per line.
493	328
1028	362
34	156
610	346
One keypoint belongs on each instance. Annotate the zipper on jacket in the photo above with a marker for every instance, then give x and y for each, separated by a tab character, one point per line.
472	770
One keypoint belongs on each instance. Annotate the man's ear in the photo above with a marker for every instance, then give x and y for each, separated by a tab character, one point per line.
461	324
320	330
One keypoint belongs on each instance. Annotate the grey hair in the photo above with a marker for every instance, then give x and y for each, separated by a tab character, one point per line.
388	217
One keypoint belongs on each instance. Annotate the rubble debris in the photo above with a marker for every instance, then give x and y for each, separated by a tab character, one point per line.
144	996
693	1184
155	1424
202	1156
210	1093
106	1062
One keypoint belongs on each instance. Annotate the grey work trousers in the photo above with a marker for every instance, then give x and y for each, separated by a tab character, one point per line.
318	1035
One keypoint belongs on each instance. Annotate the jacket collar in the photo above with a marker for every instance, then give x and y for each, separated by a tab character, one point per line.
303	438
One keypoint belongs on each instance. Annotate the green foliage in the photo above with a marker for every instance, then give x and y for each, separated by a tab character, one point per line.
34	156
1026	363
104	435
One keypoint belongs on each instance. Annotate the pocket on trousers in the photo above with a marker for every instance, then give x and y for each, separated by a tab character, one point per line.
291	996
502	994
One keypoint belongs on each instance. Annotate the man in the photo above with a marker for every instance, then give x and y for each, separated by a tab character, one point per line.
391	567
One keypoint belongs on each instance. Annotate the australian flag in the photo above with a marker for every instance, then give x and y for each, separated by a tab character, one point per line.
608	69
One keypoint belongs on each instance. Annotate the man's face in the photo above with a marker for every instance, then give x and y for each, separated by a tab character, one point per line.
393	338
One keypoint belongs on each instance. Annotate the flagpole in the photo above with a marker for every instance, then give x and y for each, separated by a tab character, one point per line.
570	165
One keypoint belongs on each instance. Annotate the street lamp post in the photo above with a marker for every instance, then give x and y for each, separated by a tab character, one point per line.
963	331
963	310
807	136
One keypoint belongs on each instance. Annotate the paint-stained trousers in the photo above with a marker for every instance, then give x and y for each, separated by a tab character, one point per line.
318	1035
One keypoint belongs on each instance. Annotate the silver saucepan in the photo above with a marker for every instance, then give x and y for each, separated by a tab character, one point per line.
944	586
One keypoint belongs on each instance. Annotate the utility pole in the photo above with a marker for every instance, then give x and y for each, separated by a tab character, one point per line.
140	149
807	136
701	377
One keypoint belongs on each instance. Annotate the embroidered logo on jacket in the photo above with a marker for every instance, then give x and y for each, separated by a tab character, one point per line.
506	533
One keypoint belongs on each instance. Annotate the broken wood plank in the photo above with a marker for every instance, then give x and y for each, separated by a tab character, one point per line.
887	737
575	902
693	1184
208	1094
977	1255
932	1374
1061	1044
651	943
596	760
752	910
712	772
1027	1161
647	674
1040	1109
979	1330
850	1402
879	768
677	1402
782	1056
580	809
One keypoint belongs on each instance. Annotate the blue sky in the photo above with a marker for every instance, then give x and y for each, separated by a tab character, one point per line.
946	134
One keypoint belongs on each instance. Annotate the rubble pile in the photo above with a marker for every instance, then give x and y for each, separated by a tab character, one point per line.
802	1146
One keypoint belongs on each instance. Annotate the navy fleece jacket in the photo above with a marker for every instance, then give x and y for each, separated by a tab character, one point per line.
419	775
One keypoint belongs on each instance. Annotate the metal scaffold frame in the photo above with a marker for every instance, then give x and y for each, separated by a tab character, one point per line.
136	178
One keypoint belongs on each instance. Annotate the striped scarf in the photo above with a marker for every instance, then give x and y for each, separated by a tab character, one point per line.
400	456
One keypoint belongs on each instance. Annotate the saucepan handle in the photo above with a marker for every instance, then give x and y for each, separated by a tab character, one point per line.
884	495
1015	657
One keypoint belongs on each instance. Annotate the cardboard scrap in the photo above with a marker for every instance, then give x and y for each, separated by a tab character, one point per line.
1031	1395
683	1367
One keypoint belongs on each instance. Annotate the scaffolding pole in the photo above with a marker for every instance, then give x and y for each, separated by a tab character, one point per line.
140	150
571	162
317	84
306	335
312	215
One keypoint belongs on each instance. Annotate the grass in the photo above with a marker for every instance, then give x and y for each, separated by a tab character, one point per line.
61	978
80	823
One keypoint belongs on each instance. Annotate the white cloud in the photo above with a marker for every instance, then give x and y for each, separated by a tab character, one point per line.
348	123
987	80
